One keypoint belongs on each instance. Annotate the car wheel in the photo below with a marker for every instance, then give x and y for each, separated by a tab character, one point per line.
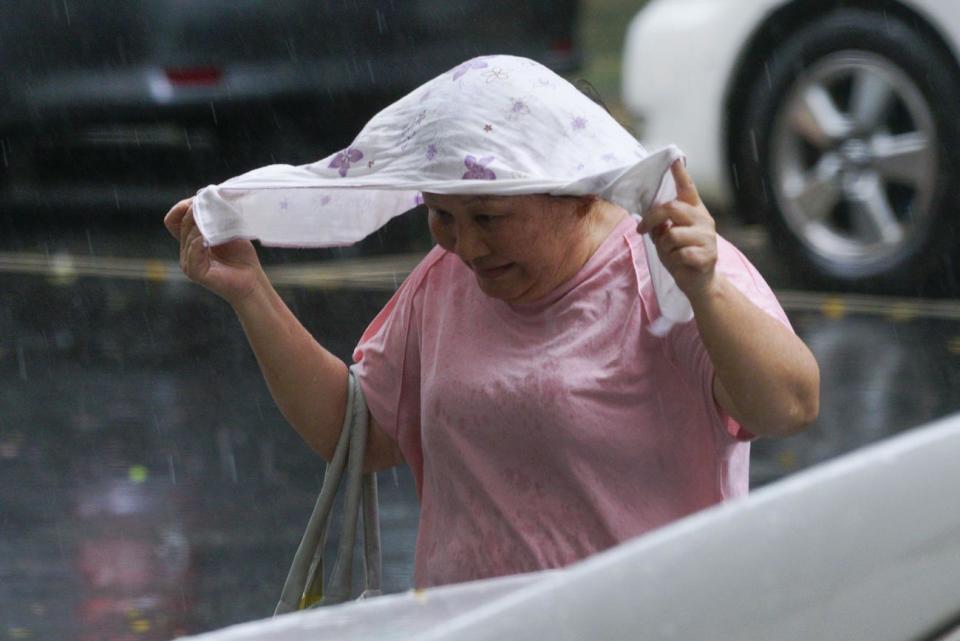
847	150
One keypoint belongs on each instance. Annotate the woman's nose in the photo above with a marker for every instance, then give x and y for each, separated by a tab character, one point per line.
468	245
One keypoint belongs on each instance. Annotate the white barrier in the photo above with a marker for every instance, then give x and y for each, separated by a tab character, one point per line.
864	547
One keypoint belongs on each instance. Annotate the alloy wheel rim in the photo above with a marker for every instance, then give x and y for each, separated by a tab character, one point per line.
854	159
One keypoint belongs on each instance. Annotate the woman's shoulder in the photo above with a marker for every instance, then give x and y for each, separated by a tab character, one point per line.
436	269
401	308
433	258
733	263
439	277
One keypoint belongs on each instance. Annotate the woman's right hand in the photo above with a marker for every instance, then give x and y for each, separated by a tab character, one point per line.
231	270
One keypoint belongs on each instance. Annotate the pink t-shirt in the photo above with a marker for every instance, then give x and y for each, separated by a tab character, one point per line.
541	433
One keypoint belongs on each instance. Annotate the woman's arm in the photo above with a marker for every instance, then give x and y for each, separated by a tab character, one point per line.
766	378
307	382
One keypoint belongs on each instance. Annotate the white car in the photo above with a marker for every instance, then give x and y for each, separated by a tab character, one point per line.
835	124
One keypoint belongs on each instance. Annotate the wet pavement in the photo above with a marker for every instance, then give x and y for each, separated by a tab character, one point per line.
149	487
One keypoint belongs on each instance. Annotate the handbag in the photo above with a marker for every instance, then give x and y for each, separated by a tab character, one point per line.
304	587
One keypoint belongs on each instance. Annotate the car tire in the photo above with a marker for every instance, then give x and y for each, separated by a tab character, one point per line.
848	148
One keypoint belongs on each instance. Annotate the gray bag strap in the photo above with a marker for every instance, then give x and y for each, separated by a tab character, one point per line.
304	585
371	537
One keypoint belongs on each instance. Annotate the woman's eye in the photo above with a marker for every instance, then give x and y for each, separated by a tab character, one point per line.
484	219
442	216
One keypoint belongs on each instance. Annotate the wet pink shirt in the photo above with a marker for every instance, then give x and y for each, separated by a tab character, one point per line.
541	433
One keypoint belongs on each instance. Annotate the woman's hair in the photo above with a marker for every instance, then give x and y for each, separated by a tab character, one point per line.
588	90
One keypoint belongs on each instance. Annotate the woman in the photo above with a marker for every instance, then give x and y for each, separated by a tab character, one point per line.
523	370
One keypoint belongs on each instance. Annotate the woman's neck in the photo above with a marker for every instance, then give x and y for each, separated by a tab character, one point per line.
601	222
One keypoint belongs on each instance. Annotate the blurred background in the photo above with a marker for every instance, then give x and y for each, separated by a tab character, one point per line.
148	486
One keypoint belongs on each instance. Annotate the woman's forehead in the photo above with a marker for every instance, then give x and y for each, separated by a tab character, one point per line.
467	200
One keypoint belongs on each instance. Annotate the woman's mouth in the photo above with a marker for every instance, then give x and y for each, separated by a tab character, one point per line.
491	273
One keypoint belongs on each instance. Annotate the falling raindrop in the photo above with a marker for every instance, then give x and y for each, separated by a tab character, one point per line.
291	50
150	336
121	50
63	551
268	467
21	363
228	461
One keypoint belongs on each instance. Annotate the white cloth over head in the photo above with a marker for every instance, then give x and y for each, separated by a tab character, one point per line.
497	125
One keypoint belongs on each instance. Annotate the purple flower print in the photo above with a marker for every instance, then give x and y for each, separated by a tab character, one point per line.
343	159
418	200
477	169
431	151
518	109
579	123
467	66
496	74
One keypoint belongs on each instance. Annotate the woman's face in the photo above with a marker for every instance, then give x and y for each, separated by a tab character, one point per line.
519	248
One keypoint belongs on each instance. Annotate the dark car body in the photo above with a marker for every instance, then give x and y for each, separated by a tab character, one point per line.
135	102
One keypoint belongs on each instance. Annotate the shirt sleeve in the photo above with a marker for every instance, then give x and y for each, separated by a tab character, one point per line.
387	363
685	345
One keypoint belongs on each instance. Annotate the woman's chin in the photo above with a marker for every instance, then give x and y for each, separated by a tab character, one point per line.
500	288
509	291
493	289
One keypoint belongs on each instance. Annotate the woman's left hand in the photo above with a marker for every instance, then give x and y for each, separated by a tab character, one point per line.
765	377
685	235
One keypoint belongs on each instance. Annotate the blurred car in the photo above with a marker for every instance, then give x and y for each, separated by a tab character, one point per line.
143	101
833	123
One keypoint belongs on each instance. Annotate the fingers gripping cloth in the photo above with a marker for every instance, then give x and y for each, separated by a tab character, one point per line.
495	125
